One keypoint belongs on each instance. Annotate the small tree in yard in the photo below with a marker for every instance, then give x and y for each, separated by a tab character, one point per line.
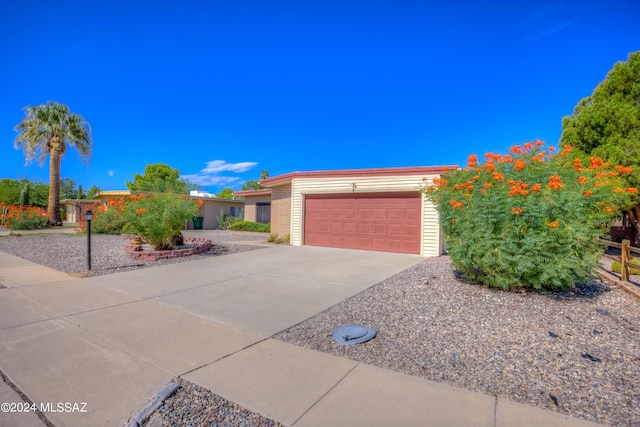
529	219
159	218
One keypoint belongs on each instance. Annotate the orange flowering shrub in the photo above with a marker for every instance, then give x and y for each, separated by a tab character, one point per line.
106	219
530	218
23	217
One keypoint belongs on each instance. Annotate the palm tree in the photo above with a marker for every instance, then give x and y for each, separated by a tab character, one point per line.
47	129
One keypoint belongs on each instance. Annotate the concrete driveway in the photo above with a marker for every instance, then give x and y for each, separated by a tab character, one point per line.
263	291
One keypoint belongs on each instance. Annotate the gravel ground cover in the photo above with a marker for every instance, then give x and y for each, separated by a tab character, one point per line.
67	252
577	352
192	405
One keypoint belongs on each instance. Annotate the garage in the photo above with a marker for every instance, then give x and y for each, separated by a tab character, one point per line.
389	222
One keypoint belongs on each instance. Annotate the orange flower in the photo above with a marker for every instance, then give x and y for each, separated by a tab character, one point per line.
631	190
490	166
596	162
199	202
140	211
498	176
583	179
554	182
618	190
624	170
587	193
520	164
507	159
467	195
528	146
456	204
453	220
553	224
483	190
551	149
487	185
439	183
536	187
609	210
475	178
539	143
473	161
577	165
516	149
566	150
516	211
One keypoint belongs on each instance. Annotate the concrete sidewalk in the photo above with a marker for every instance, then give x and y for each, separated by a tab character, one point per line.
103	346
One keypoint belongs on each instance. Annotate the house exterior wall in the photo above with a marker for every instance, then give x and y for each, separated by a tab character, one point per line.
210	210
281	210
250	211
430	242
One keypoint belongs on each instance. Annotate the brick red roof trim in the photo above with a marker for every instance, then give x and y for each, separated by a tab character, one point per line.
415	170
249	193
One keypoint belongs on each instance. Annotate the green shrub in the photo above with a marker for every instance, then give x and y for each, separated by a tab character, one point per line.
616	266
108	220
158	218
528	219
251	226
284	239
225	221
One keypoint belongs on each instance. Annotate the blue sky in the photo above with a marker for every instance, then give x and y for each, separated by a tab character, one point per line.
224	89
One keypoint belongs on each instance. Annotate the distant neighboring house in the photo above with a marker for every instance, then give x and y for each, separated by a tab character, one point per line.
257	205
372	209
75	208
210	209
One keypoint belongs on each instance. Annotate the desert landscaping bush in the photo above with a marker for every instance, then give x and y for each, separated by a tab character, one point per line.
158	218
23	217
250	226
529	219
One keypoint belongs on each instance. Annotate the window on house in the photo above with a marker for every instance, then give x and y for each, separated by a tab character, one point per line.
263	213
234	211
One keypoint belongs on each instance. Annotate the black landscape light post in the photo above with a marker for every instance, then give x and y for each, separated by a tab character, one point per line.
89	216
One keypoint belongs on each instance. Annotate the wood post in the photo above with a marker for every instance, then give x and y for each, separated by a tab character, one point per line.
624	260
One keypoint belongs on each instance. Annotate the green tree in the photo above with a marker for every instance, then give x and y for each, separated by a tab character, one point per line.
47	130
80	194
93	191
67	188
160	178
255	184
10	191
607	123
226	193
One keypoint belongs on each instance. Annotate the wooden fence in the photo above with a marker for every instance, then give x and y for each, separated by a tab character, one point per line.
625	255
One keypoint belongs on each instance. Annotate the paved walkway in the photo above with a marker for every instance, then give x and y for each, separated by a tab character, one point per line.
94	351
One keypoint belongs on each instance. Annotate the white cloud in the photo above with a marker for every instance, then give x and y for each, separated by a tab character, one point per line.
209	175
111	172
215	166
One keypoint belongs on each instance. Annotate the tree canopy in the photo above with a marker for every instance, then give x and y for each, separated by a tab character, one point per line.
255	184
225	193
607	123
47	130
160	178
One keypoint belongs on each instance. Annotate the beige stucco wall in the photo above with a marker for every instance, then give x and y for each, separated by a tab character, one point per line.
430	242
281	210
250	213
210	210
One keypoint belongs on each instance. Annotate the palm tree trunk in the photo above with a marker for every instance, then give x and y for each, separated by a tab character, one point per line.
53	208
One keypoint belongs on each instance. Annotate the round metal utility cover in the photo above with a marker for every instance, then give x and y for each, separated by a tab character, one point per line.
353	334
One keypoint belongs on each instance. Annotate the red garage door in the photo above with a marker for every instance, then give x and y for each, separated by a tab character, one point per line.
387	222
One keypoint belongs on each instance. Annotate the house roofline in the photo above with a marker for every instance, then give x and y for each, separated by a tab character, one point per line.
249	193
343	173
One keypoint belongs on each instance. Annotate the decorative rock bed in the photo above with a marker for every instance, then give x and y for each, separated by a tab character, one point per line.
193	245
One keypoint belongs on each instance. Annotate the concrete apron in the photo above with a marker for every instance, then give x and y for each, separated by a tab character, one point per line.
103	346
